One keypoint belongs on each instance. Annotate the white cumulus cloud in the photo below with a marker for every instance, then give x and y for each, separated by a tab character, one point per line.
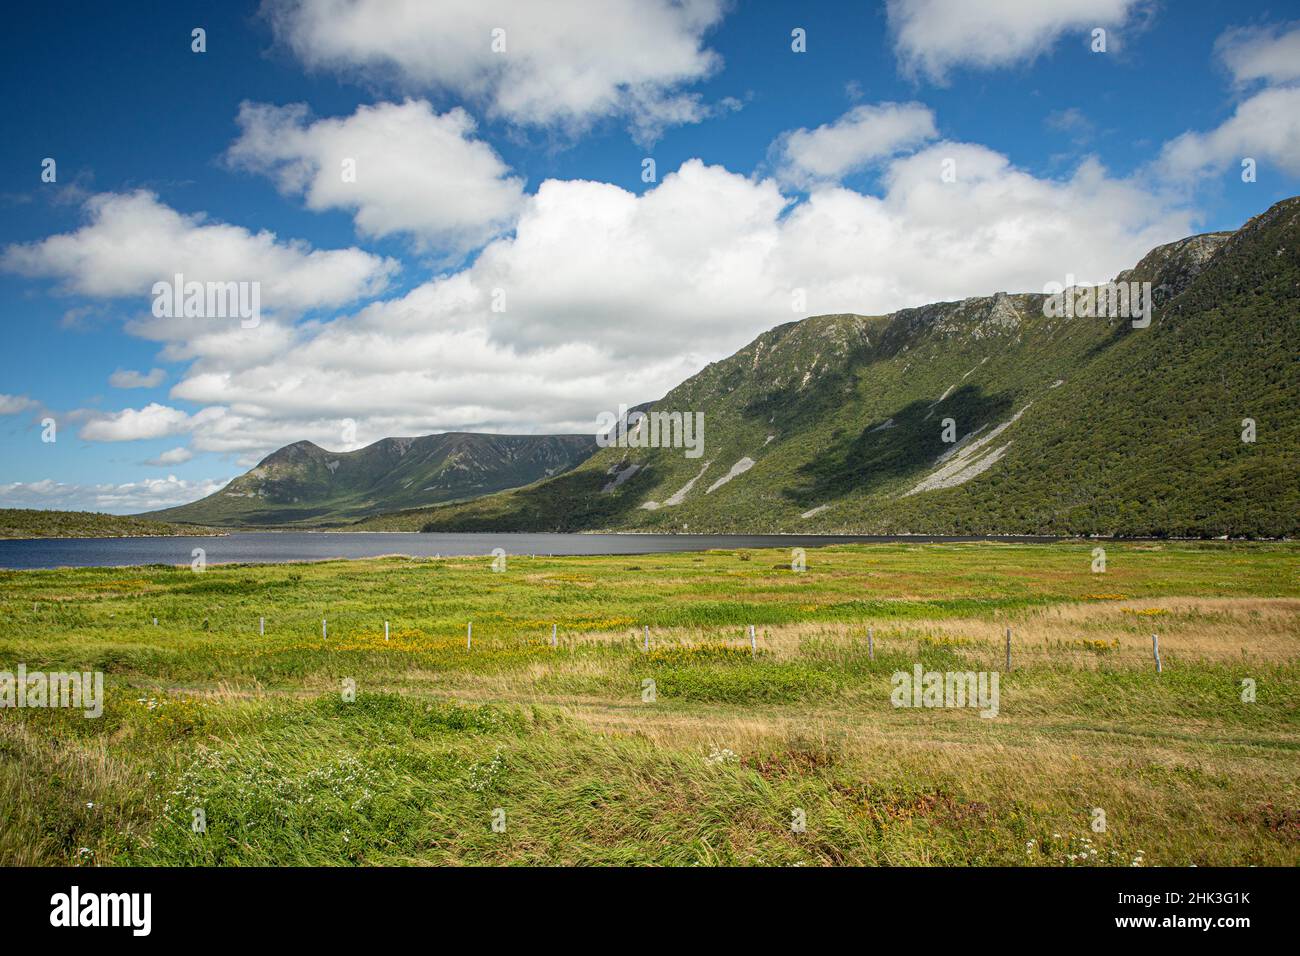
152	421
931	37
130	378
173	456
864	135
133	240
16	404
1265	127
1267	53
408	169
565	63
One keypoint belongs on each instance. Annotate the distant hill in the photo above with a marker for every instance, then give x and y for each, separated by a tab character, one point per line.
304	485
1063	425
37	523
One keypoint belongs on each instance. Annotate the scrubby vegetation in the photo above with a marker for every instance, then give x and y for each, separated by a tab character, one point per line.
34	523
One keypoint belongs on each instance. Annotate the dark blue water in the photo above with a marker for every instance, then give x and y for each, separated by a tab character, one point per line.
270	547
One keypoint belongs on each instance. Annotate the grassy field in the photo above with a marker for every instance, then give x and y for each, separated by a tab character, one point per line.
564	744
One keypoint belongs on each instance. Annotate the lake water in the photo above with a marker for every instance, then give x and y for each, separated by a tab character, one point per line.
268	547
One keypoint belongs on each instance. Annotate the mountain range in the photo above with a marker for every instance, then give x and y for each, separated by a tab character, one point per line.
304	485
990	415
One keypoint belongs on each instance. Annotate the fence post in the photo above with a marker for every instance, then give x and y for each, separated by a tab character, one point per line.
385	630
647	638
469	635
753	647
324	632
1008	650
1155	649
553	638
871	644
261	626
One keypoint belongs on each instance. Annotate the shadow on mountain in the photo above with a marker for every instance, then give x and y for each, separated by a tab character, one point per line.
1118	333
795	405
569	502
879	455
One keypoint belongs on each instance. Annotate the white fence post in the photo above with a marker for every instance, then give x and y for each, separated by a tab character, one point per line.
871	644
1155	649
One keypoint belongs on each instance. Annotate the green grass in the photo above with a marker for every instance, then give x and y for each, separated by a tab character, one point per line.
202	712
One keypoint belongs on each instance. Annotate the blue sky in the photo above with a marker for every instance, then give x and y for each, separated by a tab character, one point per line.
786	183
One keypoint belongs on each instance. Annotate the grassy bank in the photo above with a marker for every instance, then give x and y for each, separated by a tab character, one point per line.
713	760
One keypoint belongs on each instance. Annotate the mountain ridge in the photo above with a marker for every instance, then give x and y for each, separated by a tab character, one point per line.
304	484
1062	425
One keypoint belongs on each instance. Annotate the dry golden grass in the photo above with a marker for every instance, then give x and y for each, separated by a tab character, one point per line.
1190	629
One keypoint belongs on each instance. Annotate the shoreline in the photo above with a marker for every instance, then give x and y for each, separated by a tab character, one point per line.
80	554
901	535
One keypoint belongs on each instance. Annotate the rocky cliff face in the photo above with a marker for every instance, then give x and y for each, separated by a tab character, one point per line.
1171	268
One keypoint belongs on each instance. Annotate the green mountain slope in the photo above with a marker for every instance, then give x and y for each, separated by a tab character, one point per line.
303	484
1064	425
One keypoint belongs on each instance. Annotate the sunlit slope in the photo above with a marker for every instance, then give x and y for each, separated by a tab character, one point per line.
1064	425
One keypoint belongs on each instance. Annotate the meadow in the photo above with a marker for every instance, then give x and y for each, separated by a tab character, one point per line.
338	745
